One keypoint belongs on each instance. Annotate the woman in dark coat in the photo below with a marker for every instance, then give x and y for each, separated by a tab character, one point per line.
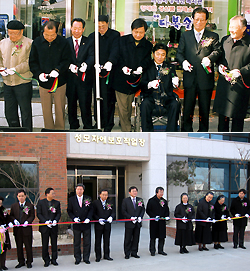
205	211
4	220
184	228
219	229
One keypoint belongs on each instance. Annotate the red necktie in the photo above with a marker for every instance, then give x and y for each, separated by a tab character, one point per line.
77	48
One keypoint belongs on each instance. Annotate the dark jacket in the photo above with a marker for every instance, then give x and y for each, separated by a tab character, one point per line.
15	214
45	57
232	100
86	211
4	220
204	210
238	207
193	52
187	211
129	211
133	57
44	214
157	207
219	210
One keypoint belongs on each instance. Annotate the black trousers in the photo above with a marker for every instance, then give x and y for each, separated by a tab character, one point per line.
105	233
237	124
45	245
2	259
82	91
161	243
238	236
131	240
21	240
204	100
21	96
86	244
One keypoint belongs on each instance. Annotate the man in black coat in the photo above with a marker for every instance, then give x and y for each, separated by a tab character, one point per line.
232	97
198	47
134	59
78	86
105	213
132	208
240	206
157	91
80	210
49	212
157	208
23	212
108	58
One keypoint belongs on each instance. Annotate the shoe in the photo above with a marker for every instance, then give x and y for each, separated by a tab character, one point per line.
20	265
77	262
126	257
152	253
235	246
108	258
97	260
5	268
200	249
185	250
135	256
242	247
46	264
205	248
54	262
29	265
181	250
220	246
163	253
216	246
87	261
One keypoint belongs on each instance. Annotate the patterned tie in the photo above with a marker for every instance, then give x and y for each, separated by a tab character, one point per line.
198	37
134	202
158	71
77	48
103	205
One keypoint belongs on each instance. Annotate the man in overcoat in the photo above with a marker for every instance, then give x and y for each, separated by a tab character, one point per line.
132	208
197	48
49	212
240	207
157	207
22	212
232	92
80	210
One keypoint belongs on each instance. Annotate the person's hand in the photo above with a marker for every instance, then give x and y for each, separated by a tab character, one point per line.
110	219
193	220
229	218
175	81
11	225
247	215
213	221
235	73
16	222
222	69
126	70
153	84
43	77
223	217
11	71
138	71
209	219
101	221
54	74
4	72
86	221
54	223
108	66
206	61
48	222
73	68
187	66
184	219
25	224
237	215
83	67
167	218
3	226
157	218
139	219
77	219
133	218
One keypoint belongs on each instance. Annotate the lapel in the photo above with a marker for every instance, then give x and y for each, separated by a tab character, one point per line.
81	47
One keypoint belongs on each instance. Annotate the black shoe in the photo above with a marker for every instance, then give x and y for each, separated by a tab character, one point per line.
163	253
127	257
200	249
108	258
185	250
205	248
135	256
216	246
152	253
235	246
29	265
220	246
87	261
54	262
5	268
242	247
77	262
181	250
20	265
46	264
97	260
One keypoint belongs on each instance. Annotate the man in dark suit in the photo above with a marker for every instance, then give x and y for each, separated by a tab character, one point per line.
109	53
22	212
197	48
132	208
49	212
157	91
232	96
105	213
157	208
80	210
134	59
82	59
240	206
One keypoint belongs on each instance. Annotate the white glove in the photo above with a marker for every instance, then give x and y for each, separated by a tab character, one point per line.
25	224
222	69
138	71
235	73
153	84
193	220
3	226
54	223
167	218
110	219
247	215
86	221
73	68
3	73
11	225
11	71
237	215
223	217
43	77
229	218
209	219
139	219
213	221
183	219
77	219
97	67
101	221
157	218
16	222
48	222
206	61
187	66
54	74
83	67
133	218
108	66
175	81
126	70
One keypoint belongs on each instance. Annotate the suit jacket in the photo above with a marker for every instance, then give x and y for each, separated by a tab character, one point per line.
241	207
129	211
204	210
133	57
15	214
232	100
99	212
44	214
5	218
194	52
86	211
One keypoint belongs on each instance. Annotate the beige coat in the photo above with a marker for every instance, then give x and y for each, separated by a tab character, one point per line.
18	60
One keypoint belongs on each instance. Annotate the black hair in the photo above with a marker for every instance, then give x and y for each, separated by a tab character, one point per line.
21	191
158	188
209	193
137	23
243	190
220	197
81	185
132	187
80	20
103	18
200	10
159	46
51	24
47	191
103	190
183	194
1	198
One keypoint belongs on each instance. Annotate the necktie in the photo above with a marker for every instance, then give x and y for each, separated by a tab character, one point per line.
103	205
77	48
134	202
80	202
22	206
198	37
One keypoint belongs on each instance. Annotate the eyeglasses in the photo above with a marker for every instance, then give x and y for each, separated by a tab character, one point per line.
14	34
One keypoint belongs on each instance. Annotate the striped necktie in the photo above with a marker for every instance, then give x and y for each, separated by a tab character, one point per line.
77	48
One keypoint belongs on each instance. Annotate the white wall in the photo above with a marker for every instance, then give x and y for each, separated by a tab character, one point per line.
6	7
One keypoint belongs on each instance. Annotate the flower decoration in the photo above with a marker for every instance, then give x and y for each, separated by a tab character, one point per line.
244	204
18	48
26	209
5	212
52	209
140	203
211	207
87	202
206	42
188	210
109	206
224	208
164	71
162	203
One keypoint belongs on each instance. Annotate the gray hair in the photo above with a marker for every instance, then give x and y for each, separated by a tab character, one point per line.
242	20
